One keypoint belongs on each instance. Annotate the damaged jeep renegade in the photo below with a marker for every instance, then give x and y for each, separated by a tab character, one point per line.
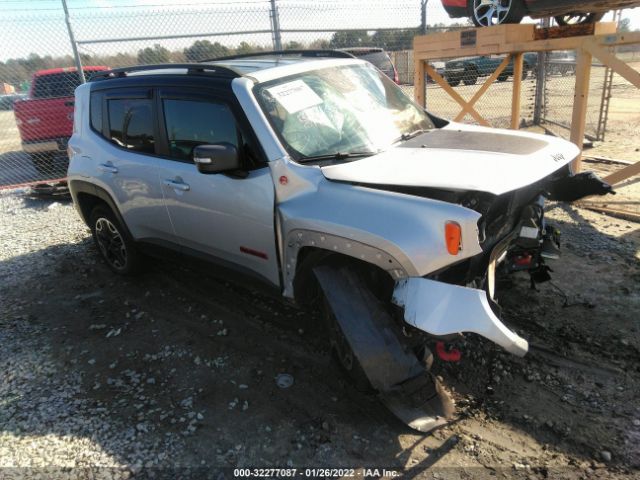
313	172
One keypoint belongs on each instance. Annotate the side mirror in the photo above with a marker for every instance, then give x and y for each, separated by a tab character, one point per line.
221	157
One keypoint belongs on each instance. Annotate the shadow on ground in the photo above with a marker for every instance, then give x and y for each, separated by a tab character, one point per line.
177	367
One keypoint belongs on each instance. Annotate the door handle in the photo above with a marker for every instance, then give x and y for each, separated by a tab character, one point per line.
176	185
107	168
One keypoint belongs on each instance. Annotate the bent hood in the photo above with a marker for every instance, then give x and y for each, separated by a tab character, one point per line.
461	157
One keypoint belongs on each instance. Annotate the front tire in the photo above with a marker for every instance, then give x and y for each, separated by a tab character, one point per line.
495	12
343	353
114	243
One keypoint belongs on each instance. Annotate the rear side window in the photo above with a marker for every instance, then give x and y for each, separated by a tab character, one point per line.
95	110
131	124
190	123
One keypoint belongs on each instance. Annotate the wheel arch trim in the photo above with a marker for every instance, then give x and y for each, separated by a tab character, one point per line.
79	187
298	239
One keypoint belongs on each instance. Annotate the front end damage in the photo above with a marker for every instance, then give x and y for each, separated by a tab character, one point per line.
458	299
442	309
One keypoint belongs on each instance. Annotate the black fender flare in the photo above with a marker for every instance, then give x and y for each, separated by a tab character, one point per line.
79	187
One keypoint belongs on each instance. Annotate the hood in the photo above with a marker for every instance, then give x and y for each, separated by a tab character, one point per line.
461	157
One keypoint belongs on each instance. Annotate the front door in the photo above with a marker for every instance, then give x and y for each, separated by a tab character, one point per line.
227	216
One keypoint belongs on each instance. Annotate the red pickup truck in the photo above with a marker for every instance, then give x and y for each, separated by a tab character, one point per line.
45	118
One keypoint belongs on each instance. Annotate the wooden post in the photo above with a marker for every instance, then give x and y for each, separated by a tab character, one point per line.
580	98
418	82
517	90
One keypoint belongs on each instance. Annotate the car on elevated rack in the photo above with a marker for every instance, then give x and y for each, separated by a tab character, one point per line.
484	13
313	174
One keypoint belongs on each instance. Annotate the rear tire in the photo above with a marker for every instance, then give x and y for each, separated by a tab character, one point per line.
114	243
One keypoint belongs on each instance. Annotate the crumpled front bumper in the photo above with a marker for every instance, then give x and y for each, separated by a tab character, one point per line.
443	309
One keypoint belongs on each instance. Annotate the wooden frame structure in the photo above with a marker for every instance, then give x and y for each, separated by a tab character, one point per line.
589	41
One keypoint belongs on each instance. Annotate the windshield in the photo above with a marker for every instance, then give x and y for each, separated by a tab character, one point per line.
352	109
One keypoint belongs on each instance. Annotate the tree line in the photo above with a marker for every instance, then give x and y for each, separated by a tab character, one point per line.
20	70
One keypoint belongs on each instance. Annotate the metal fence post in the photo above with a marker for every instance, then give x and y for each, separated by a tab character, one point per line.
541	77
423	17
275	26
72	39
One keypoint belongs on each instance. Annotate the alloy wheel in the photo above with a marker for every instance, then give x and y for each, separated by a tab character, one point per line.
111	243
491	12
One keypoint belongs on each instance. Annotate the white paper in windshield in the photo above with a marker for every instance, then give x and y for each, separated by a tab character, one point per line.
295	96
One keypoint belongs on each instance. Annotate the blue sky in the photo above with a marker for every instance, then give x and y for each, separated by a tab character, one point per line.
38	25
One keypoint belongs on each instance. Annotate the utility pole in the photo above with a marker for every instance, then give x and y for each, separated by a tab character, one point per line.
74	46
275	26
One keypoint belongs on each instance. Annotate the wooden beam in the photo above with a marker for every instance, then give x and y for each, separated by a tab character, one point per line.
580	98
615	63
511	38
613	212
453	94
419	83
623	174
485	86
517	90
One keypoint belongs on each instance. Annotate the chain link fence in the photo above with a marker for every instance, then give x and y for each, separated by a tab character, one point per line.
38	76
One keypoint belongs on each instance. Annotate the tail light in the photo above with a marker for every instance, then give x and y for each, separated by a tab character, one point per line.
453	237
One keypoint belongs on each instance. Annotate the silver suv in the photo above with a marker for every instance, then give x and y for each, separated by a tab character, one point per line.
316	175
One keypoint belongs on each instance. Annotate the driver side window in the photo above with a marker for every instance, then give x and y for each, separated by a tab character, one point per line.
190	123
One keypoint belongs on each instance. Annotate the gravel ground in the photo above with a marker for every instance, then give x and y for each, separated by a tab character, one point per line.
173	372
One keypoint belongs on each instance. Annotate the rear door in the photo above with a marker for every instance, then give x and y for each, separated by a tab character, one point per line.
125	160
228	217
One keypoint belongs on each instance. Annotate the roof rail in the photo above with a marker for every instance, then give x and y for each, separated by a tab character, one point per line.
302	53
190	67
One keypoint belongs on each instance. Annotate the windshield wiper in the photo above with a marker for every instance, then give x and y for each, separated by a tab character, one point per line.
410	135
335	156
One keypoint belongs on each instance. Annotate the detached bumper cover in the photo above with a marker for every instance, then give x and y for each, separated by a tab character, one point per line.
443	309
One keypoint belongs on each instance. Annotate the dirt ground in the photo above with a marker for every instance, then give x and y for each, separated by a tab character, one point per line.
176	369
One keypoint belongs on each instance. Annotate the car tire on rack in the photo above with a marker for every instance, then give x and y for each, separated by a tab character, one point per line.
114	243
485	14
578	18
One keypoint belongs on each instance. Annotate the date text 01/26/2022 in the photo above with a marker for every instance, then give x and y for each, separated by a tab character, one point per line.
314	472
